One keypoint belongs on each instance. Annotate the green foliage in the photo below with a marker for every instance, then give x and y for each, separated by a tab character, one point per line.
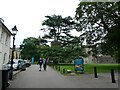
64	47
58	27
99	22
28	48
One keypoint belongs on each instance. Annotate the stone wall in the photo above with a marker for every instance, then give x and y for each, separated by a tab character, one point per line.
99	59
105	59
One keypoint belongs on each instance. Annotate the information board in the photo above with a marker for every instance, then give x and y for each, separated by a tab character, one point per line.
79	64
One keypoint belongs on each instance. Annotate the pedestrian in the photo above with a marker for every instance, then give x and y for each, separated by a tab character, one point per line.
45	64
40	62
47	60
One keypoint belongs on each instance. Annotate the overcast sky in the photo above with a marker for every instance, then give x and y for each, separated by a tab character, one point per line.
28	15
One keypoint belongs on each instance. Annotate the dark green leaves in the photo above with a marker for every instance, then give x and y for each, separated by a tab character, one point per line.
99	22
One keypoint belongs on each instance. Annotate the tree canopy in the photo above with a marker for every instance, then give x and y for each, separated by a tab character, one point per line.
99	23
29	48
58	28
64	47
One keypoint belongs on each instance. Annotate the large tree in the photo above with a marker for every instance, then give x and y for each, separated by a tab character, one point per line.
64	47
58	27
29	48
99	23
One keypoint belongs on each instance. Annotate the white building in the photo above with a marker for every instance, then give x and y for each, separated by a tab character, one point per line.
5	37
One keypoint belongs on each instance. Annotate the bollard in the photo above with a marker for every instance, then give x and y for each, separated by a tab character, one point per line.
59	68
95	72
63	70
113	76
56	67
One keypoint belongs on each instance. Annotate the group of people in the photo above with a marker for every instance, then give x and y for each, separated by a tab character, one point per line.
43	62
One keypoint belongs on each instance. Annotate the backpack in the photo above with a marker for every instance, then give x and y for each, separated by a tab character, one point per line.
41	61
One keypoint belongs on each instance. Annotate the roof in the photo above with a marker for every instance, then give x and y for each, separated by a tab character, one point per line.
5	28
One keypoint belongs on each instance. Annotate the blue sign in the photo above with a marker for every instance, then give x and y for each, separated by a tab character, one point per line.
32	60
79	64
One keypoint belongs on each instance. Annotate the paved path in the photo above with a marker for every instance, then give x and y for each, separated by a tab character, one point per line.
33	78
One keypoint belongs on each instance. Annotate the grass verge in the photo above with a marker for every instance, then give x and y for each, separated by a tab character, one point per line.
88	68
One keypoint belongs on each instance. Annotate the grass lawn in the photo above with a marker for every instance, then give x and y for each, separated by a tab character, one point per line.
101	68
89	68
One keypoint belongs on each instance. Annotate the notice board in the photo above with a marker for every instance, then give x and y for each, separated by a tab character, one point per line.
79	64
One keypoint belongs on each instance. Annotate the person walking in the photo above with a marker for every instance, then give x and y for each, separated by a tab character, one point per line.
40	62
45	64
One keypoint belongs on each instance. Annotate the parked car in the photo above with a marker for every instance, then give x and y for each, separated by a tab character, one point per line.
27	63
18	64
22	64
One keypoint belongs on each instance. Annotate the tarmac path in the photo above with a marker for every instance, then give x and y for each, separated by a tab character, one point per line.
33	78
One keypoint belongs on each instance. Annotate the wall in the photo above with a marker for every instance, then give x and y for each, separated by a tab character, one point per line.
4	46
99	59
5	37
90	58
0	59
16	53
105	59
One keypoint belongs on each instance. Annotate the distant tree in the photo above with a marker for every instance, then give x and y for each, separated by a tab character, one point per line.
29	48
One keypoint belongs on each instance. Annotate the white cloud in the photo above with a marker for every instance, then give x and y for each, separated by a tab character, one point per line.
28	15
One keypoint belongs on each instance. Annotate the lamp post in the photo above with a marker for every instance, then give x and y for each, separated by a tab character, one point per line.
14	32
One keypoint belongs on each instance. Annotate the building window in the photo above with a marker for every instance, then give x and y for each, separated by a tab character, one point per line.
16	55
1	36
4	59
0	57
6	40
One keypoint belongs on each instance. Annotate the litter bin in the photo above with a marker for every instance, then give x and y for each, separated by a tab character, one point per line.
5	83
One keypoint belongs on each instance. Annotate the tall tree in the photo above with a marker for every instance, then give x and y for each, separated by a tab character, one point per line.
99	23
58	27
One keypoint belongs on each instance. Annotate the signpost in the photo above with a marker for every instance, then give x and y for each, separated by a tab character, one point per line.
79	65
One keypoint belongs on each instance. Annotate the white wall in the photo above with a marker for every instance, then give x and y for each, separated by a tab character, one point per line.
5	37
0	59
4	46
0	48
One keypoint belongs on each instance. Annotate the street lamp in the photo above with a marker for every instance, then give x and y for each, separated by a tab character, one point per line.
14	32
